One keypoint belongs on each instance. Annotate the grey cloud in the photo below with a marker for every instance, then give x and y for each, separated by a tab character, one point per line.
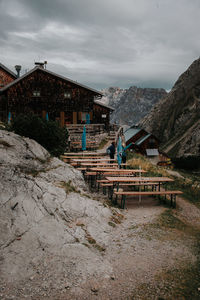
103	43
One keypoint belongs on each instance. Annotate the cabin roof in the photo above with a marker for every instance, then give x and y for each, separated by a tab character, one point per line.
142	139
131	132
51	73
103	105
8	70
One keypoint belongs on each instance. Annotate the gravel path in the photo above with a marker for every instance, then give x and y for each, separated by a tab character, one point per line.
140	254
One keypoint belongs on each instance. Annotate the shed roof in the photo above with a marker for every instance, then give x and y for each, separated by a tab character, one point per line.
8	70
152	152
51	73
142	139
131	132
102	104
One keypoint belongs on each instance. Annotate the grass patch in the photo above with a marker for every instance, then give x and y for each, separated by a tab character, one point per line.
167	221
136	161
69	188
93	242
32	172
166	227
189	187
102	144
99	248
111	224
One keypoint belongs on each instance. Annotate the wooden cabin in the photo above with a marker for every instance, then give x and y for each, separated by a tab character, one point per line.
147	145
48	94
133	134
102	113
144	143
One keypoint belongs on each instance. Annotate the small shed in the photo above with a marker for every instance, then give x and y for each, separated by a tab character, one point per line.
144	142
147	142
133	134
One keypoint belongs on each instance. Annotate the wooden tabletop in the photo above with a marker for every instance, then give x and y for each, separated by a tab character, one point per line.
80	142
99	164
139	179
117	170
93	159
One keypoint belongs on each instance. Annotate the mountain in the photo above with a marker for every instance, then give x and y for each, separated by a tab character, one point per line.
132	104
175	119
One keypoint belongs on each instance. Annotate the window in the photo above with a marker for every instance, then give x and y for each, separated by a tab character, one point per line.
36	93
67	95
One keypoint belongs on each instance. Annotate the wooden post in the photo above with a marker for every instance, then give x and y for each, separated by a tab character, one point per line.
62	118
74	117
44	114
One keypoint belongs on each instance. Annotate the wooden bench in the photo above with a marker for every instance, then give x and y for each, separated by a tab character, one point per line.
108	184
172	195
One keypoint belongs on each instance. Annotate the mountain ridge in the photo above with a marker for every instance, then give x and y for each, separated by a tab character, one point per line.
175	118
131	104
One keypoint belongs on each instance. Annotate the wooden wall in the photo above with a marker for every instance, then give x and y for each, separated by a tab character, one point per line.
40	91
5	78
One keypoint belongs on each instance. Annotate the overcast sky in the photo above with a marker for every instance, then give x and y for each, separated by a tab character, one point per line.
102	43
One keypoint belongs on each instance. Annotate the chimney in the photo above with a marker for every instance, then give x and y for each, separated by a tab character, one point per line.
41	64
18	69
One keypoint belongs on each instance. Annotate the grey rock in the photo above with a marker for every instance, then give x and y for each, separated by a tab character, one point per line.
132	104
38	238
175	119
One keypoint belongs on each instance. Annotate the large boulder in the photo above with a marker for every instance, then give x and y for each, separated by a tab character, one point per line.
48	222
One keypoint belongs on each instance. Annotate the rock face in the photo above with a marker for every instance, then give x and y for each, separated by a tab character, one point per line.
47	221
132	104
175	119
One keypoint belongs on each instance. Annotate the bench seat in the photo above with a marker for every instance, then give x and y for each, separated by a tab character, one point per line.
172	194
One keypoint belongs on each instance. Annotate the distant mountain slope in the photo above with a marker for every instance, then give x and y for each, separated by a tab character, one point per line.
132	104
175	120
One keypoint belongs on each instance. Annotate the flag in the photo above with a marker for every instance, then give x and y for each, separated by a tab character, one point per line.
84	139
119	151
9	117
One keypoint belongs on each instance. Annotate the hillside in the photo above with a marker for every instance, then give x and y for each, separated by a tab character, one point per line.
175	119
59	240
132	104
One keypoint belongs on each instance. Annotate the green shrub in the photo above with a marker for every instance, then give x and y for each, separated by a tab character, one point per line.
47	133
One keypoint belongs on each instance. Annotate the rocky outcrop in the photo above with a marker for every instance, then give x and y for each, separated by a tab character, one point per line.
132	104
48	221
175	119
112	96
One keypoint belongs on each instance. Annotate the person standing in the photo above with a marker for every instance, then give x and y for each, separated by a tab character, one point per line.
111	151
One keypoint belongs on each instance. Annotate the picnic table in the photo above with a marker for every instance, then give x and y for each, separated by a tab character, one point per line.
96	173
120	171
136	180
79	162
88	166
68	158
92	159
89	145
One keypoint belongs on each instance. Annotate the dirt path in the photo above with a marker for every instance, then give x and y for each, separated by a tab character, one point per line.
142	254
